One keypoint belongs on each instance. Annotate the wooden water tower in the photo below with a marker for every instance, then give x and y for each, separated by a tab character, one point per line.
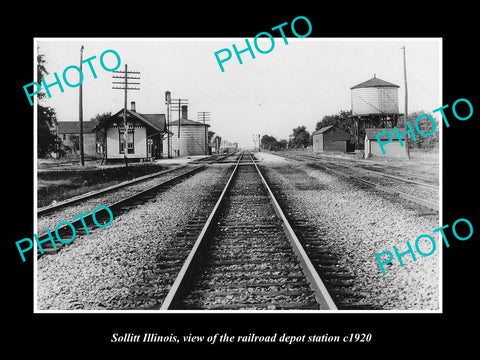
374	105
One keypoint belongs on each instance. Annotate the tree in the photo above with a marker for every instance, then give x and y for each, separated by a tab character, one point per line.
300	137
210	135
46	142
425	126
269	143
101	121
217	140
41	71
282	144
340	120
46	116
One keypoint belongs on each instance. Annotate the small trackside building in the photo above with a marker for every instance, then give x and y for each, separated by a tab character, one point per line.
392	149
187	137
332	138
144	136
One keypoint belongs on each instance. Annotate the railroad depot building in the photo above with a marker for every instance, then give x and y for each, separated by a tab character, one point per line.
144	135
187	137
392	149
332	138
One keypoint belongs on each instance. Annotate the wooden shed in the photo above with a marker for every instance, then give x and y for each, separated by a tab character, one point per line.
332	138
392	149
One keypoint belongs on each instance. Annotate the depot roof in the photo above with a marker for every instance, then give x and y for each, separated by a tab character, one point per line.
155	121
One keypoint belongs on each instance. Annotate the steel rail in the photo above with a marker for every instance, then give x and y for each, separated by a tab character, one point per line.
186	271
430	186
179	286
412	172
116	208
377	173
333	161
321	292
51	208
214	158
412	198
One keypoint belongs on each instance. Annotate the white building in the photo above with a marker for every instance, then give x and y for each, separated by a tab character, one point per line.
144	135
192	139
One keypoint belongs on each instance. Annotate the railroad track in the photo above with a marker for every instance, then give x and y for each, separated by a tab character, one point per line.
247	256
374	179
93	194
215	158
119	207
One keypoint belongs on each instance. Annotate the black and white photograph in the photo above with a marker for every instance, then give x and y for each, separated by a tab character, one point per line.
239	189
273	183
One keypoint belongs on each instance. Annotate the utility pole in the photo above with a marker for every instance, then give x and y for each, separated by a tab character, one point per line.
177	106
406	92
125	87
80	112
168	102
205	116
405	79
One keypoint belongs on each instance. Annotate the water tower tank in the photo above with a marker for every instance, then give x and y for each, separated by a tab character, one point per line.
375	96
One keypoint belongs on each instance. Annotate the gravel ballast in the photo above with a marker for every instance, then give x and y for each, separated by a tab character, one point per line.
103	270
358	224
51	220
107	269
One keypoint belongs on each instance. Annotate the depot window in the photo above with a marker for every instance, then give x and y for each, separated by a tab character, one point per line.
130	140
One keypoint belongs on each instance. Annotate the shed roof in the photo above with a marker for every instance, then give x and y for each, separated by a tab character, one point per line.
338	133
370	134
323	129
374	82
73	127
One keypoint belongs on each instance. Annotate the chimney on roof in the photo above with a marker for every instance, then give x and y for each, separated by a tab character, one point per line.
132	106
184	112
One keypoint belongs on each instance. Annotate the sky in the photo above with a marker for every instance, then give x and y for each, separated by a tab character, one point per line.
295	84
